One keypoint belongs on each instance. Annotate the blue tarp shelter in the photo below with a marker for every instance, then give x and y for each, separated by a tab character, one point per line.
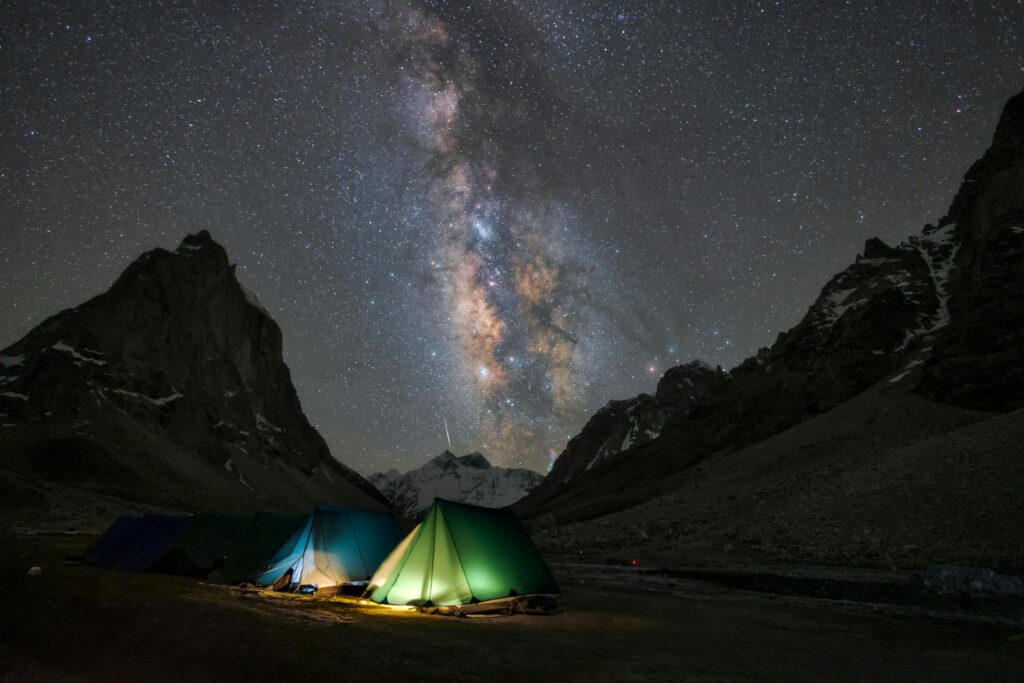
144	543
335	547
100	552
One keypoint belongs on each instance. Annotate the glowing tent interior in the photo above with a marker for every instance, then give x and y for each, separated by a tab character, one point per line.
335	547
462	554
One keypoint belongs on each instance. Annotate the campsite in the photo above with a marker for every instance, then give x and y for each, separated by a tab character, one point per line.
76	622
459	555
511	340
200	597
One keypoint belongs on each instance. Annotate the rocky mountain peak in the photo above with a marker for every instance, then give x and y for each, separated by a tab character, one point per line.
1009	135
977	360
199	240
448	460
444	459
178	350
682	384
630	423
874	248
1001	158
469	478
476	461
938	314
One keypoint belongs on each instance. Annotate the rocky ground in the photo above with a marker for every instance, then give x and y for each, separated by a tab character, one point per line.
33	504
888	479
74	623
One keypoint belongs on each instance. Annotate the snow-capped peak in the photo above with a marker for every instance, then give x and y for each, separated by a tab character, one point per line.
469	479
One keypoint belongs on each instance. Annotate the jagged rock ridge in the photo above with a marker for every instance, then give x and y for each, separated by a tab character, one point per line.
620	425
168	388
976	361
466	479
937	314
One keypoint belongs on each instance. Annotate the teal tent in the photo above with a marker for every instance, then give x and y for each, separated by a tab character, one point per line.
462	554
228	548
335	547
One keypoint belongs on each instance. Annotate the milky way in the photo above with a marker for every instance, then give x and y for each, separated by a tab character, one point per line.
510	282
495	214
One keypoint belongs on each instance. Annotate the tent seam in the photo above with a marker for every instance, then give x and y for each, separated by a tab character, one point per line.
408	551
458	556
312	530
359	548
433	545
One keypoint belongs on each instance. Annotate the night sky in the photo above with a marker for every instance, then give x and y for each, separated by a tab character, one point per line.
499	214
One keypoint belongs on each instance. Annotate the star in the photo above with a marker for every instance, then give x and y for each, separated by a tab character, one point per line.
556	200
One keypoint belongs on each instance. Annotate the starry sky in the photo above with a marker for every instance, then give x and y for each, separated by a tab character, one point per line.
495	214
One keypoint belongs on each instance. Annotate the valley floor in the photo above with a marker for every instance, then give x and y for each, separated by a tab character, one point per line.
74	623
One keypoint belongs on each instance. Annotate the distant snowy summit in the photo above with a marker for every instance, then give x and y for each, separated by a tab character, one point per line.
466	479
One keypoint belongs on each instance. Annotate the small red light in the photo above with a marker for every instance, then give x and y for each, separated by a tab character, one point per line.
633	562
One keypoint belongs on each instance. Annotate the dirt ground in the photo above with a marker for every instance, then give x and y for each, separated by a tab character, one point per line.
885	480
74	623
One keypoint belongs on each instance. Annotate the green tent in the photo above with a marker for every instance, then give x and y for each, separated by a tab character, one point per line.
462	554
228	547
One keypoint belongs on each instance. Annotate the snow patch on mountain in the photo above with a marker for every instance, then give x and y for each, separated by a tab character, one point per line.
919	268
162	401
939	252
836	303
79	358
466	479
629	423
264	425
636	431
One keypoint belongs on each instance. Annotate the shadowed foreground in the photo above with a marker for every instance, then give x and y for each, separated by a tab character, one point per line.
78	623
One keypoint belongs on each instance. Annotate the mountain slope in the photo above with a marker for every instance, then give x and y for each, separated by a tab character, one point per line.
466	479
886	479
938	314
170	388
976	362
634	421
